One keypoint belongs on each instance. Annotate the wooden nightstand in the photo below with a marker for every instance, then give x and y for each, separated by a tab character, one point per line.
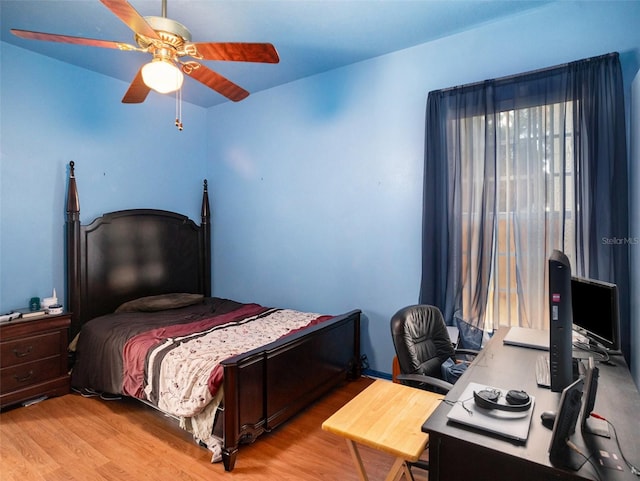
33	358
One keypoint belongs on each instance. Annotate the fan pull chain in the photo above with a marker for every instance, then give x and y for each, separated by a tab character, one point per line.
179	108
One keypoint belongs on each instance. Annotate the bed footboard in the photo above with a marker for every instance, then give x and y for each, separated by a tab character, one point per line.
265	387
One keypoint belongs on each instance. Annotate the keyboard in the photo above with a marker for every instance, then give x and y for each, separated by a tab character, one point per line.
543	372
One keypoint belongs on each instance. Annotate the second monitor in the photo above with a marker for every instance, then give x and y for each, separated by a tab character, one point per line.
595	312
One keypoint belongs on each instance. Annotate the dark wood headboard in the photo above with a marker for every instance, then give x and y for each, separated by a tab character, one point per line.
128	254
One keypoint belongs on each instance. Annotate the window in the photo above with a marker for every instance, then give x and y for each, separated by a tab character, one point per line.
515	168
533	186
534	201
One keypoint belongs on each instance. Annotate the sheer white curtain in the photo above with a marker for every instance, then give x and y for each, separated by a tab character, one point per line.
516	201
534	199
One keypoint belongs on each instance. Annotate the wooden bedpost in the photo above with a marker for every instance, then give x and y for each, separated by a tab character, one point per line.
206	241
72	260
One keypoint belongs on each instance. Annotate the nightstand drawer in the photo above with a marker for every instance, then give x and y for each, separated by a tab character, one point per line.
33	358
27	374
28	349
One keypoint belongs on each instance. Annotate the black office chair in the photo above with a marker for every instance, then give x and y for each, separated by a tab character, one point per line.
422	345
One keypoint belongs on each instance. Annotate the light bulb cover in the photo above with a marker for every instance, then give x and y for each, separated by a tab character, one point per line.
162	76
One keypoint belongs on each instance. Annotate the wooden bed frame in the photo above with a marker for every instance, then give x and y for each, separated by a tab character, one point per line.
129	254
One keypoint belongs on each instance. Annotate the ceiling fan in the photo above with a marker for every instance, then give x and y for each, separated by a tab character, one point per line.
169	41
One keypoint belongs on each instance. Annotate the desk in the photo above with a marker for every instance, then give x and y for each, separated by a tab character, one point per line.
489	457
385	416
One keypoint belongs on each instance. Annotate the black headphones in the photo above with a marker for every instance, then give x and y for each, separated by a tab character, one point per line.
516	400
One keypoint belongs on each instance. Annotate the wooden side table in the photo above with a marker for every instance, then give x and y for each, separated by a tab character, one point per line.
33	358
388	417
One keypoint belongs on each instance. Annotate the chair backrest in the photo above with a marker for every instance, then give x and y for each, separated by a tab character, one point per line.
421	340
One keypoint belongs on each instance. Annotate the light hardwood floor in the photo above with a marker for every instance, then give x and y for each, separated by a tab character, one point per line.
75	438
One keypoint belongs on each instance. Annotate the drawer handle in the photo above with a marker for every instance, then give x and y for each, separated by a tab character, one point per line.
24	378
24	353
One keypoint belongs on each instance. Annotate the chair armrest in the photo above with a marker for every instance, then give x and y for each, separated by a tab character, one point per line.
465	355
470	352
432	381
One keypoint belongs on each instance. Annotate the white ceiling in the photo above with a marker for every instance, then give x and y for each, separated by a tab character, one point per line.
311	36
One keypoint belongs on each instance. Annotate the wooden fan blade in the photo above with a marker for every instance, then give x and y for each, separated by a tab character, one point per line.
130	16
215	81
238	52
52	37
138	90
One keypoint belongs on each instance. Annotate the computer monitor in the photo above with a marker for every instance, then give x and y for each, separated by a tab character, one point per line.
590	391
560	322
590	424
595	311
565	425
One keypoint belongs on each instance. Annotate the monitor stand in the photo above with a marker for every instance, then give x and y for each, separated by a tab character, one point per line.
597	427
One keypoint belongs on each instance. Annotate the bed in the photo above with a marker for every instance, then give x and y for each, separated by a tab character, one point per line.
140	280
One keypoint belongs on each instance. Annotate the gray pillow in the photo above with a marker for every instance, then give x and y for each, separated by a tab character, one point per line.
161	302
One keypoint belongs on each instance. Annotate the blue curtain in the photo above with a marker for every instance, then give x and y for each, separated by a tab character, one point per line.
600	201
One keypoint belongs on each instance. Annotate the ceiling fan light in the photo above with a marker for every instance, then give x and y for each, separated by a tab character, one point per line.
162	76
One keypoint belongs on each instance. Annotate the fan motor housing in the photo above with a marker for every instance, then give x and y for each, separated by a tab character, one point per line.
170	31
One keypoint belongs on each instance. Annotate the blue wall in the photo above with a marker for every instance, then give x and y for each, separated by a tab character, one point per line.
316	185
126	156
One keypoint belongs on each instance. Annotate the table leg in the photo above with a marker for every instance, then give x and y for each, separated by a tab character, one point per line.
407	472
355	454
396	471
399	467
